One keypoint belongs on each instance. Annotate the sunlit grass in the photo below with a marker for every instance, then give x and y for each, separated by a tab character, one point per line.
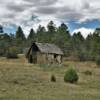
22	81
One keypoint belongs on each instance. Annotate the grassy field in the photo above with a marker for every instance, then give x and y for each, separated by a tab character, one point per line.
22	81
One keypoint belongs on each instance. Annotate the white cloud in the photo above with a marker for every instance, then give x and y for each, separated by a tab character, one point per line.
84	31
80	10
19	12
35	25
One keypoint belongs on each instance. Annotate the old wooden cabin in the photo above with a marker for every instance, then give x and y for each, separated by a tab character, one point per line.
44	53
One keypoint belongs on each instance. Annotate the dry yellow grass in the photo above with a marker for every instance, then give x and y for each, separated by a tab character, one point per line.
22	81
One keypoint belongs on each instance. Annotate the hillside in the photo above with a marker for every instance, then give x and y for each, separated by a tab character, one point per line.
22	81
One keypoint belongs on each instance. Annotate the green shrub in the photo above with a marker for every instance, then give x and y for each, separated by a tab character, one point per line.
11	56
11	53
98	61
1	53
53	78
87	72
71	76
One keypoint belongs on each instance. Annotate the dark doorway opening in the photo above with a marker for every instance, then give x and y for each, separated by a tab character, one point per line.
30	59
55	57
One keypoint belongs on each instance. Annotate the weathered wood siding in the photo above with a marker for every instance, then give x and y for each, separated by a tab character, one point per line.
59	59
41	58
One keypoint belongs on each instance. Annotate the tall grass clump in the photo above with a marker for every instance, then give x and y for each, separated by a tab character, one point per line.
87	72
53	78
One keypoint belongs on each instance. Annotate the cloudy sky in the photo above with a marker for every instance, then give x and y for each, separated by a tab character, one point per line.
79	15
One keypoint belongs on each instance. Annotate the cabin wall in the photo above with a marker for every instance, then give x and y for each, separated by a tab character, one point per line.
54	58
41	58
30	59
33	54
59	59
48	58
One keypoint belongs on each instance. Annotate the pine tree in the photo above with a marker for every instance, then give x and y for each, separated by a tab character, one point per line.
19	34
51	27
41	34
62	37
31	35
95	42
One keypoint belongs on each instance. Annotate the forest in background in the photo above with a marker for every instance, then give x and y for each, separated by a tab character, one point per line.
85	49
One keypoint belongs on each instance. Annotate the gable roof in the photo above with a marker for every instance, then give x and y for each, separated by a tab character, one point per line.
49	48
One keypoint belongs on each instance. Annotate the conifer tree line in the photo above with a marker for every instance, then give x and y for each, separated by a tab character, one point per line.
73	45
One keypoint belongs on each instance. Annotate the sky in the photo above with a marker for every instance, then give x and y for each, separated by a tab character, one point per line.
79	15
